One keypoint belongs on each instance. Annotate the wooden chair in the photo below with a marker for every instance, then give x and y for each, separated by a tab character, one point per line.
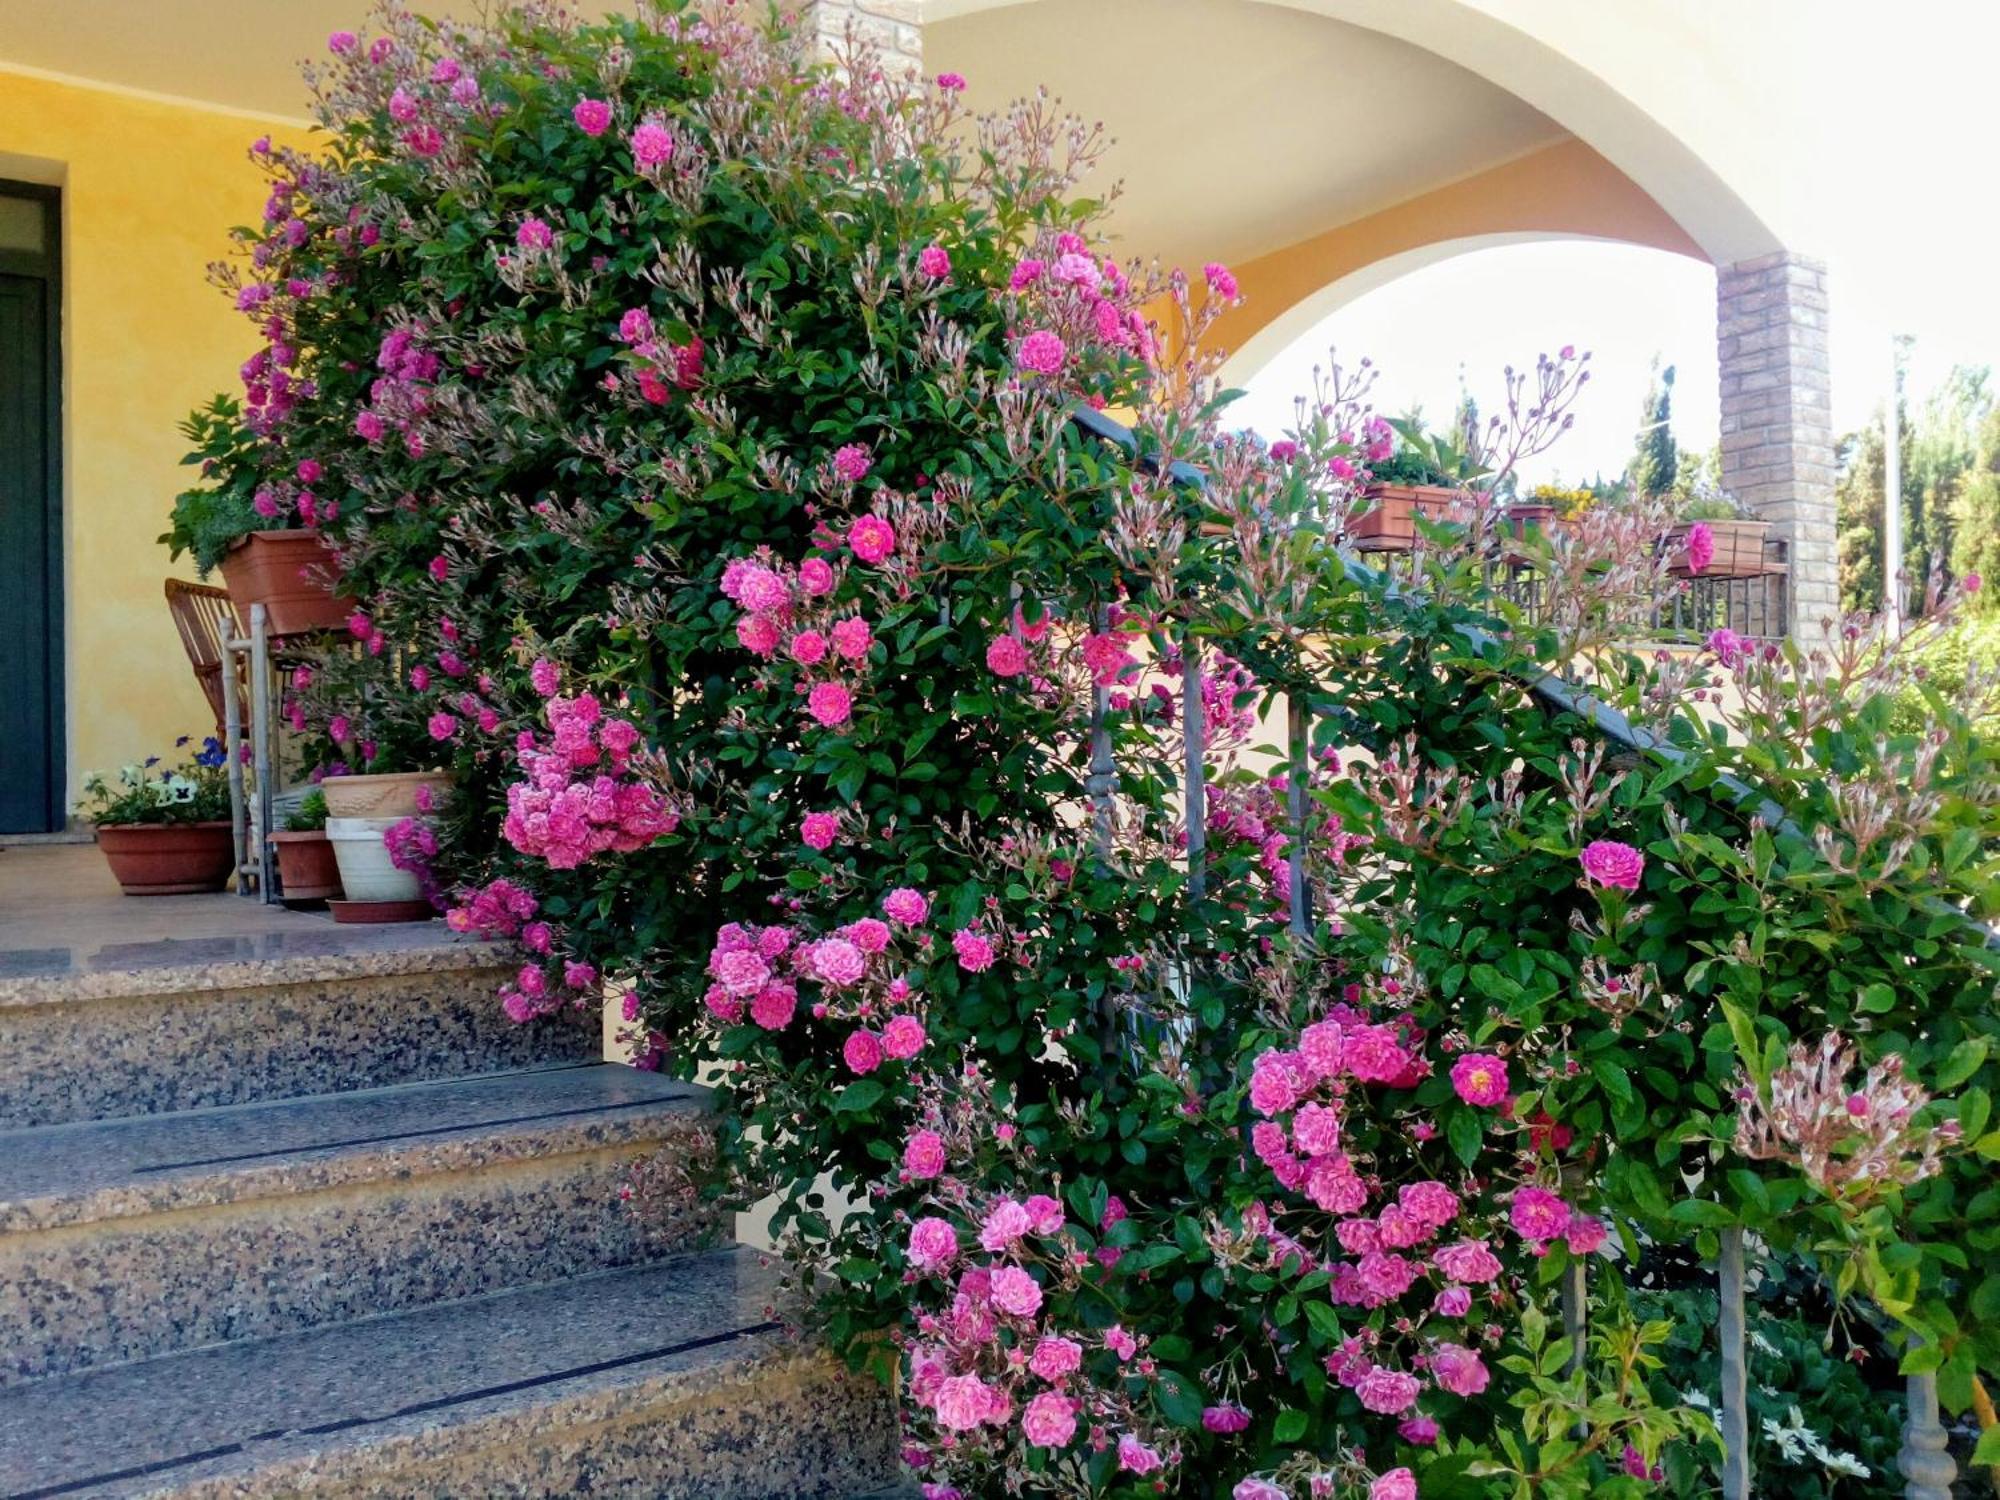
205	617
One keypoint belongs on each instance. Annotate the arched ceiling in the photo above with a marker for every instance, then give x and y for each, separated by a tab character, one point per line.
1240	127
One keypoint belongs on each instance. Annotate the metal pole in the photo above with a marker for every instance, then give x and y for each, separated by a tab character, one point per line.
261	738
1927	1465
1102	782
1295	795
1892	495
232	746
1735	1422
1194	790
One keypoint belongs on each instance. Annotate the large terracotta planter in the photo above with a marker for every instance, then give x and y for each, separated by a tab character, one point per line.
390	795
1739	549
280	570
307	870
168	859
1390	523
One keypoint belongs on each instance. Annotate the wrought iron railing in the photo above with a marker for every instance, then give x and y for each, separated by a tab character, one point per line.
1756	607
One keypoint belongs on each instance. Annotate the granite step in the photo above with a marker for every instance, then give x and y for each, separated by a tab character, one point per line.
127	1239
191	1024
672	1381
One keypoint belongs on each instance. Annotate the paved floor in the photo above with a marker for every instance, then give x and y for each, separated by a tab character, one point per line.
61	913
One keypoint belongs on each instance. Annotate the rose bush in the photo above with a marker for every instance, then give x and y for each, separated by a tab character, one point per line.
699	429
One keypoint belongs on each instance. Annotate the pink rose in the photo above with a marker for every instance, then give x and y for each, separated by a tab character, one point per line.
1015	1292
1055	1357
818	830
1389	1392
851	462
592	116
652	145
933	1244
1006	657
1005	1223
1254	1488
1226	1418
1700	547
815	577
1468	1261
839	963
906	907
1585	1234
830	703
852	638
974	950
871	538
934	261
1397	1484
1219	280
807	648
1041	352
1538	1214
758	634
962	1403
1607	862
1480	1078
1049	1420
1459	1370
903	1038
1452	1302
773	1007
1135	1457
924	1155
862	1052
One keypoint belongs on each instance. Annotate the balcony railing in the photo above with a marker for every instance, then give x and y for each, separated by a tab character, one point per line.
1755	607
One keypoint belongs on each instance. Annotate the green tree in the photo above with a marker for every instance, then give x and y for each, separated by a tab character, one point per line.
1975	513
1656	463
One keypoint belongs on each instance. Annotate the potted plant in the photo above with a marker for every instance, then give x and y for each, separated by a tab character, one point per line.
1407	484
165	832
1738	538
254	526
307	870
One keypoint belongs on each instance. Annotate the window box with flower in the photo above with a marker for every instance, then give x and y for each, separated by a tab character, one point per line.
165	832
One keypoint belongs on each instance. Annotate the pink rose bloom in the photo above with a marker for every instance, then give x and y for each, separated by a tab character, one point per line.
1397	1484
815	577
839	963
1055	1356
369	427
1607	862
442	725
1430	1203
808	648
1049	1421
1374	1054
1273	1088
592	116
852	461
1972	583
962	1403
1452	1302
1015	1292
868	934
935	262
1729	647
773	1007
818	830
1120	1343
1106	657
1389	1392
1420	1430
862	1052
951	83
1026	273
1385	1276
1219	279
1480	1078
872	538
1005	1223
340	43
534	234
831	704
758	634
903	1038
545	677
1316	1130
1459	1370
1468	1261
1135	1457
1254	1488
974	950
905	906
1634	1463
852	638
758	588
652	144
1700	547
1041	352
933	1244
924	1155
1584	1234
1226	1418
1006	657
1045	1214
1538	1214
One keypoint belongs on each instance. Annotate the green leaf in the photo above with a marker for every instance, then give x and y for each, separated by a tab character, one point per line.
1290	1426
862	1094
1962	1064
1467	1133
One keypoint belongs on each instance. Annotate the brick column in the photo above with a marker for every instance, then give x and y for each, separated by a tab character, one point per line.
1777	418
891	25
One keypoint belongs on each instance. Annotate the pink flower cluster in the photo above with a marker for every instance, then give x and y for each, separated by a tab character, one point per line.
660	367
1071	307
792	610
579	798
495	910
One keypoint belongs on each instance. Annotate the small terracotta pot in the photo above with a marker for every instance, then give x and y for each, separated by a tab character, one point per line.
307	869
392	794
278	569
167	859
1390	524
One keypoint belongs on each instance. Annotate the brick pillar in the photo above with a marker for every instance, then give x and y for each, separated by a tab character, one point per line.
1777	418
891	25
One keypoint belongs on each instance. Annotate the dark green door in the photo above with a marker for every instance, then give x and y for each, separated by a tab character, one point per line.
31	701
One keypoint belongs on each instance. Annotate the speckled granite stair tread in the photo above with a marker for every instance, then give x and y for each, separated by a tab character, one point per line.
101	1169
669	1380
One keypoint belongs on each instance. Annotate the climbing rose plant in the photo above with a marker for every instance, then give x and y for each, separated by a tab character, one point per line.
699	431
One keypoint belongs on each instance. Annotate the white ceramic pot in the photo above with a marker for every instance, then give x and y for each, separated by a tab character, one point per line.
366	872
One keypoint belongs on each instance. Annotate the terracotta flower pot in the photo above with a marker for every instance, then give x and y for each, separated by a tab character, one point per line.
307	869
277	570
392	794
168	859
1390	524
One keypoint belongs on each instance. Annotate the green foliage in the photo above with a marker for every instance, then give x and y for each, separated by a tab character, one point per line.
1655	466
211	517
310	815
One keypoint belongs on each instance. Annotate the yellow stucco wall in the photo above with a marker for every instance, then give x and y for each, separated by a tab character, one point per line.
150	190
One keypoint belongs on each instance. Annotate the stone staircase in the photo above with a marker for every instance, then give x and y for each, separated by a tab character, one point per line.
322	1222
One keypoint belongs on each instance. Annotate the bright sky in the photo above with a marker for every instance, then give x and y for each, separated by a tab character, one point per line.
1912	241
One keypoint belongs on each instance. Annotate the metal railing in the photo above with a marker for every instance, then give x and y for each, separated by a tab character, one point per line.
1924	1462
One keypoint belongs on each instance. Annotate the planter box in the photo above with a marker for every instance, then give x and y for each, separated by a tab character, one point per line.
276	569
1390	523
1739	549
168	859
366	871
391	795
307	870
